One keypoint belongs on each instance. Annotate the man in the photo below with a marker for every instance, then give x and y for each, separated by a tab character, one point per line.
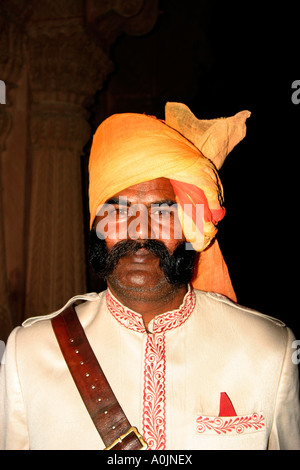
189	367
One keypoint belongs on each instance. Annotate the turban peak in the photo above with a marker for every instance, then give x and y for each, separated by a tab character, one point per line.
215	138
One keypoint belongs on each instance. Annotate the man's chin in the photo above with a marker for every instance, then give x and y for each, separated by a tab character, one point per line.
140	283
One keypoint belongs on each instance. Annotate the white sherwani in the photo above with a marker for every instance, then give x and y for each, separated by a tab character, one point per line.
169	380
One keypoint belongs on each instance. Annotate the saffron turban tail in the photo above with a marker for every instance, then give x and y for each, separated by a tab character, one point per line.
211	272
131	148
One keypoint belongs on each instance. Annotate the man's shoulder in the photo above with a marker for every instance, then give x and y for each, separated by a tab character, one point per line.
82	303
38	328
221	302
234	322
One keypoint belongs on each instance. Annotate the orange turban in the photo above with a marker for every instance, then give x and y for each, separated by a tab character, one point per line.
132	148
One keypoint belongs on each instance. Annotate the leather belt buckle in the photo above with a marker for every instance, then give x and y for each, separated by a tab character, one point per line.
144	445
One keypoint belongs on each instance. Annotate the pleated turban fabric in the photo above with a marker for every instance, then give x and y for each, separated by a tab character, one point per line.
132	148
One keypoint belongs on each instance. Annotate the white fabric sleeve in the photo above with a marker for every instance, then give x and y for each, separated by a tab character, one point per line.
13	423
285	434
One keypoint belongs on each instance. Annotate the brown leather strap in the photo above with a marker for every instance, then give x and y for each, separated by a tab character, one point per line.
99	399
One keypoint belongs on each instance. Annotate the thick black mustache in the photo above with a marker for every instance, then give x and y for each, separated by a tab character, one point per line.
128	247
178	267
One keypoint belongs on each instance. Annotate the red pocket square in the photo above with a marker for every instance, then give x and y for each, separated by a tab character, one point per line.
226	407
228	422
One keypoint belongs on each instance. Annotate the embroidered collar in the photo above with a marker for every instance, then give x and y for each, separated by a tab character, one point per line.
163	322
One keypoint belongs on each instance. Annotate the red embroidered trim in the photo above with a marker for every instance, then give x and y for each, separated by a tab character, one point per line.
154	396
165	321
238	424
154	412
175	318
124	316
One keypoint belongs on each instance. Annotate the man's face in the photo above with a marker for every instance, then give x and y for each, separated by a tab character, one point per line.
142	212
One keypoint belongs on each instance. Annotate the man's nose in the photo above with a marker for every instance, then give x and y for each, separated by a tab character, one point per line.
139	224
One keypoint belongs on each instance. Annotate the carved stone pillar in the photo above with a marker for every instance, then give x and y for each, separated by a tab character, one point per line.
56	257
66	67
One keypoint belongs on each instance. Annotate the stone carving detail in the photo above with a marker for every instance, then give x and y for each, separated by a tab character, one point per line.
111	18
70	72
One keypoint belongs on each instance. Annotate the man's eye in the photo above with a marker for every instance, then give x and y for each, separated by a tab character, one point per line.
117	212
121	211
161	212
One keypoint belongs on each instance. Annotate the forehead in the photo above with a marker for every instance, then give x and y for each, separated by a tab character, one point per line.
156	189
